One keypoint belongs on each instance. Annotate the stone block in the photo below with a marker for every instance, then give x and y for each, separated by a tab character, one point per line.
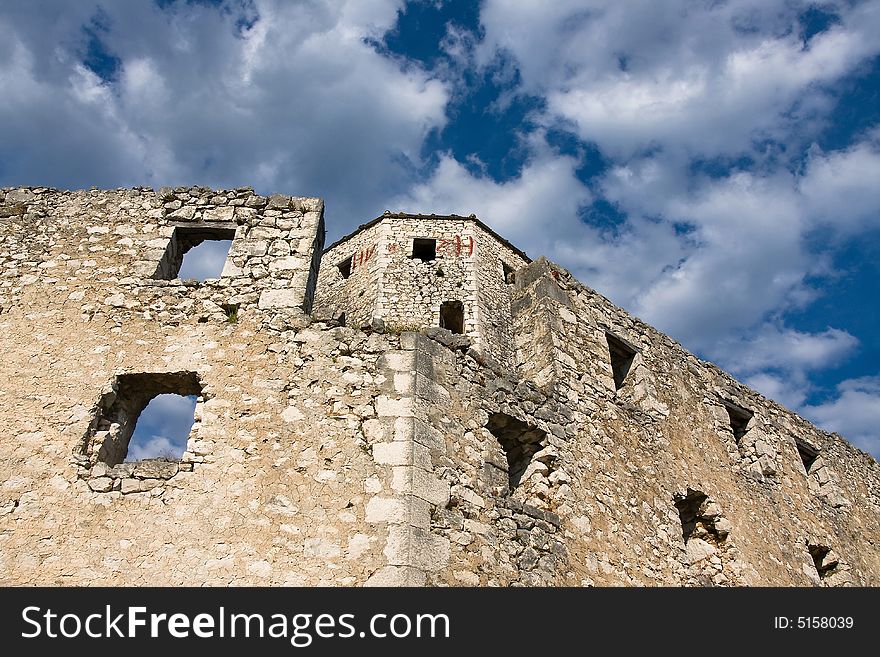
397	576
417	548
222	213
388	407
402	453
283	298
421	483
405	510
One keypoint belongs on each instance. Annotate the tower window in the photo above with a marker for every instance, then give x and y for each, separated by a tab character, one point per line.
345	267
452	316
622	356
424	249
739	419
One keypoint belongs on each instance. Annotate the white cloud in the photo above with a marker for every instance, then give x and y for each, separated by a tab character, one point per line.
205	260
705	78
841	188
854	413
776	360
154	447
537	210
775	347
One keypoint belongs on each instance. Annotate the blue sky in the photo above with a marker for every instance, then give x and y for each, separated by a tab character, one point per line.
712	167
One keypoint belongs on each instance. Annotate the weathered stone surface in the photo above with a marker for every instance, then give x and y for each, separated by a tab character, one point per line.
362	444
286	298
19	196
222	213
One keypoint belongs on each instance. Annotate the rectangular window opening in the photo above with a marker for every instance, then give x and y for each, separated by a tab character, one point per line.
622	355
452	316
739	419
195	253
424	249
344	267
808	454
147	416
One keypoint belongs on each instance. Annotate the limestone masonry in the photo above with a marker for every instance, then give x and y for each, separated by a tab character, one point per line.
418	404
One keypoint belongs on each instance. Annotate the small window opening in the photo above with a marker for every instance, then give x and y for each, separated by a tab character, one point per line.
452	316
824	559
699	516
345	267
146	416
622	356
520	442
739	420
507	272
195	253
807	453
424	249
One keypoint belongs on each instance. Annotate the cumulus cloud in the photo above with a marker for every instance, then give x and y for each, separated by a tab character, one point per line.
841	188
854	413
776	360
707	78
776	347
154	447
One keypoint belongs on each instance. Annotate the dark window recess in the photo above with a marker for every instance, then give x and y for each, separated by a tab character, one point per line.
183	259
424	249
116	432
739	420
452	316
345	267
807	453
622	356
824	559
698	516
507	272
520	442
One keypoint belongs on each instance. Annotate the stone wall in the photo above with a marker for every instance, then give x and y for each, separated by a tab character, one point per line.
356	455
356	296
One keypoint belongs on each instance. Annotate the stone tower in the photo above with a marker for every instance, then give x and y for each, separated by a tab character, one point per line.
546	438
416	271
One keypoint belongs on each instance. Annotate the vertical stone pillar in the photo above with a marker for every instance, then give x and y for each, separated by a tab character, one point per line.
411	550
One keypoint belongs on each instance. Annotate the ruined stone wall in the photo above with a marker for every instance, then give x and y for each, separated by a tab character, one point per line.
357	295
274	483
333	455
667	432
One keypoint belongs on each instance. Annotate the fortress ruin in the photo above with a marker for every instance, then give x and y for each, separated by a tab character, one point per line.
418	404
